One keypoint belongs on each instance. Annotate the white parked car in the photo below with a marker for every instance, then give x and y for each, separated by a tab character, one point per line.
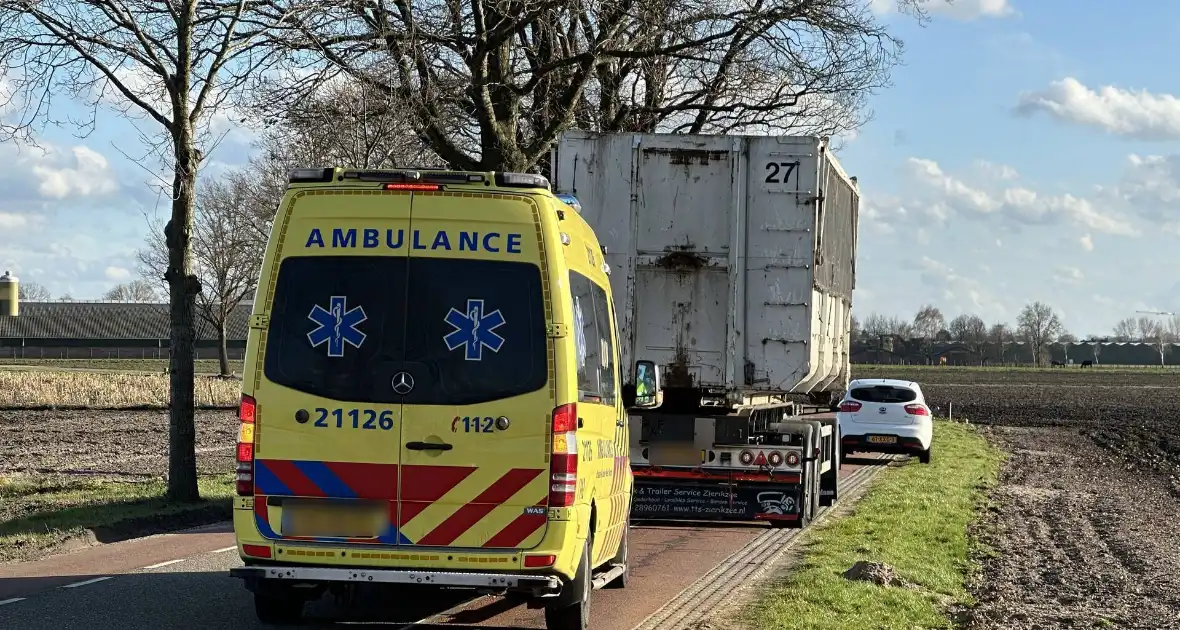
885	415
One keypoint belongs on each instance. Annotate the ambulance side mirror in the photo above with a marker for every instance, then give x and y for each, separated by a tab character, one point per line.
649	393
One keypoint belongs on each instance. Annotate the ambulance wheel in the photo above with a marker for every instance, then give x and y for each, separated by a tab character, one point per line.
571	611
621	558
277	607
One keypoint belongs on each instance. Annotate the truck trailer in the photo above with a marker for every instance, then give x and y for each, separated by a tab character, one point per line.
732	260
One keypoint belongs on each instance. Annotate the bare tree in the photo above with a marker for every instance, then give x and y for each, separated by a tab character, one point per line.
226	250
1038	325
970	331
174	63
1067	337
1001	336
1172	325
490	85
135	291
347	123
1126	330
928	322
1096	348
1146	329
32	292
1155	333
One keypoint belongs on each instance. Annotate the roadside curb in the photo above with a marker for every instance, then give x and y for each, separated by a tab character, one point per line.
708	594
190	521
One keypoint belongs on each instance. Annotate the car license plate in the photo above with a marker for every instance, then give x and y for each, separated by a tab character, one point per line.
882	439
334	519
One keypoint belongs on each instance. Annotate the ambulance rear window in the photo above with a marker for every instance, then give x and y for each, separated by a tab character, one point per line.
465	331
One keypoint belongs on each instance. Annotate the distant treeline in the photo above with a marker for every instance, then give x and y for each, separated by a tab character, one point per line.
923	352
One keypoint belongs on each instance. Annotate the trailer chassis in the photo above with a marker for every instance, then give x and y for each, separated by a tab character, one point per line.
757	462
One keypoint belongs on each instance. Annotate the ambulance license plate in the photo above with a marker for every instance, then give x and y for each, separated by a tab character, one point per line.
334	519
883	439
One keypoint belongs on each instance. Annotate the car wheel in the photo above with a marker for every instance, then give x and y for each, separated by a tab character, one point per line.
566	615
278	608
621	558
924	456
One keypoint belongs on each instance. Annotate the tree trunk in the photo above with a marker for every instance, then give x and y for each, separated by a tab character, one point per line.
223	349
183	288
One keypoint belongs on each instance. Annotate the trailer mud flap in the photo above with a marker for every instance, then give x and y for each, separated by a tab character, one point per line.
655	499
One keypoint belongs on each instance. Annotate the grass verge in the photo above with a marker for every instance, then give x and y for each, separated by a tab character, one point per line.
38	388
914	519
38	515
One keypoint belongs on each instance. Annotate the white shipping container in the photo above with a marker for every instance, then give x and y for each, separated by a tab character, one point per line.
733	258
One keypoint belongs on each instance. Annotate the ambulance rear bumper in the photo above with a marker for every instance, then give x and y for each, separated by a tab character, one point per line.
540	584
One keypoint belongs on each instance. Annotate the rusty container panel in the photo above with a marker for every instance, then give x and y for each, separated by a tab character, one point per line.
733	257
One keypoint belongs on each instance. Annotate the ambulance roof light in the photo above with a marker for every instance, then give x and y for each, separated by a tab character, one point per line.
310	175
414	175
570	201
522	180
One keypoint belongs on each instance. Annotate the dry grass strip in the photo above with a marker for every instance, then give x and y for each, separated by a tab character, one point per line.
105	390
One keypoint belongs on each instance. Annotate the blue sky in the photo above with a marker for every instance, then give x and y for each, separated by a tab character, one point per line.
1026	151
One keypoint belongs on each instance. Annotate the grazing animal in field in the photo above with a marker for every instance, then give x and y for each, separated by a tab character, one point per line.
1056	363
1087	363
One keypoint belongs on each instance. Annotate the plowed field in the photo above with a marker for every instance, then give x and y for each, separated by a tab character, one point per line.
1086	526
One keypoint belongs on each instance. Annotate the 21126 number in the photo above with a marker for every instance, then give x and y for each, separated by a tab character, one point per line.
354	418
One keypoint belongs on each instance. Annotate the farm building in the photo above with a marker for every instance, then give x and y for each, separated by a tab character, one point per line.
102	330
106	330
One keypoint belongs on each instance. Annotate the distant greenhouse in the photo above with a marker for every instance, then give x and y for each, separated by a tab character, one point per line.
918	351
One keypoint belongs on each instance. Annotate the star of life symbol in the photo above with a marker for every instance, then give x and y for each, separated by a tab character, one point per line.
337	325
474	329
776	503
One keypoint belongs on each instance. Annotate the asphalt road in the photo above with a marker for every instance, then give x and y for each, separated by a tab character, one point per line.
181	580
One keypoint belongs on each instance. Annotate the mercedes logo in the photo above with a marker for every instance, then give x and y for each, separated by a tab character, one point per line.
403	383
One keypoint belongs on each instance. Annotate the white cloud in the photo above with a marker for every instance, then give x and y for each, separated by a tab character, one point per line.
14	221
118	274
1087	242
1136	114
1001	172
947	194
968	294
89	174
1069	275
964	10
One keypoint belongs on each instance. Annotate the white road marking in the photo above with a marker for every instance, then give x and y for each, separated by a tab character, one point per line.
163	564
12	601
224	550
86	582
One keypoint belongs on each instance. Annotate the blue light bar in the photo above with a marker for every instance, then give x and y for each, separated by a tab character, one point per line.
570	201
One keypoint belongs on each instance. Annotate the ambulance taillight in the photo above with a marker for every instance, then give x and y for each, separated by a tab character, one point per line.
563	463
247	412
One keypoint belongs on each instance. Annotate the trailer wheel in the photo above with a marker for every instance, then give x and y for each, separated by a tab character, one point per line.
806	498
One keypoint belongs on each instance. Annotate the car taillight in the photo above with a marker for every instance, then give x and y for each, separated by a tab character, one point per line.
917	410
247	413
792	458
850	406
563	463
775	459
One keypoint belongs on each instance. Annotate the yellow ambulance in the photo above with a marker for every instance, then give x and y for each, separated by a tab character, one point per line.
432	396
